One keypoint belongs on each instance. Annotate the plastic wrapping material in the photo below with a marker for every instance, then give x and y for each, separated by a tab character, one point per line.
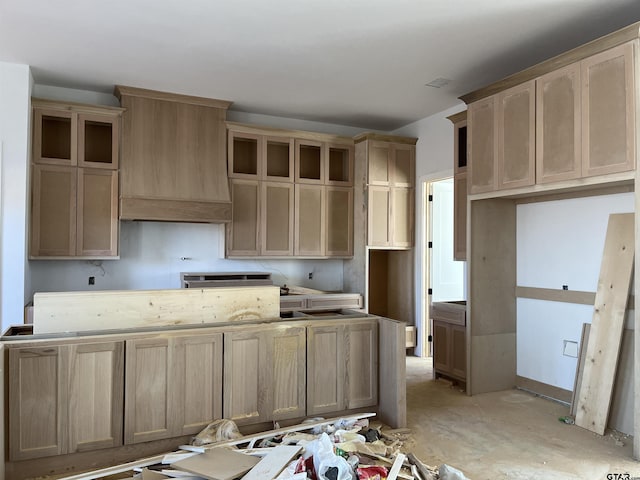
447	472
372	472
326	462
217	431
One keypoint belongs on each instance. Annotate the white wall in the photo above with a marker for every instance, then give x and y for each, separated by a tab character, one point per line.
559	243
434	161
15	100
150	252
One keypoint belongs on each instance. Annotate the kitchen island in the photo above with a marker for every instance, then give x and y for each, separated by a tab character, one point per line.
80	400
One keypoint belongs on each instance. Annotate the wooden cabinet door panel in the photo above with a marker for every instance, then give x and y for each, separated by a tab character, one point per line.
197	381
402	217
53	223
37	402
96	395
379	163
608	112
288	358
516	135
150	412
98	141
460	216
482	138
558	127
441	347
246	377
339	227
55	137
458	351
243	234
362	364
277	218
325	369
403	172
97	210
379	216
310	237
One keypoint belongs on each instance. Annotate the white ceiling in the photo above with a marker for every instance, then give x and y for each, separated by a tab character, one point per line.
361	63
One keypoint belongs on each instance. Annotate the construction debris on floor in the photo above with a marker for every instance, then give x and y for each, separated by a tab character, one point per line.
348	448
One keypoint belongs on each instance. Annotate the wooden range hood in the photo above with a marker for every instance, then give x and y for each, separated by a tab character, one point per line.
173	158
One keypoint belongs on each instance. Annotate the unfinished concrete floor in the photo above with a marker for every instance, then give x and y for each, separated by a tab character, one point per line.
506	435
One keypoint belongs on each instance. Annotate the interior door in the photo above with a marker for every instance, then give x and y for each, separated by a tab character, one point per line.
447	275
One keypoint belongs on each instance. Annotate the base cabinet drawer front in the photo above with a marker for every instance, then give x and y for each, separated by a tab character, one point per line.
65	399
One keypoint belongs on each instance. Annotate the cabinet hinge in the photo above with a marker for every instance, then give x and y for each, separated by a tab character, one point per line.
430	245
430	338
429	291
430	198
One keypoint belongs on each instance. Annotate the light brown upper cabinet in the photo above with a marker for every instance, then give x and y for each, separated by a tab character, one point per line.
584	120
390	177
292	192
482	135
608	112
173	165
459	121
74	195
516	136
558	139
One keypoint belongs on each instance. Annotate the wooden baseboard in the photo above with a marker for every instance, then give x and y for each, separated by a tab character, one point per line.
544	389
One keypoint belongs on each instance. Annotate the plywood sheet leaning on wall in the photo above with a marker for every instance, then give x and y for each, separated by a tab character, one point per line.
87	311
603	347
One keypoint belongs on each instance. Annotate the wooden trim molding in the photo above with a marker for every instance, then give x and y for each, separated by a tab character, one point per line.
384	138
543	389
75	106
286	133
121	90
174	210
564	296
458	117
614	39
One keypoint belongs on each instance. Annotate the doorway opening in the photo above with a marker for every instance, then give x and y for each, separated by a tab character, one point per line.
443	277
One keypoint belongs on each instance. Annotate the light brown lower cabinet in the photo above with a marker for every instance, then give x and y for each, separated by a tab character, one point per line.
264	374
449	350
65	399
173	386
342	366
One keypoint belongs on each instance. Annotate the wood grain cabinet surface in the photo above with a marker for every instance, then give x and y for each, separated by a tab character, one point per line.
264	374
74	190
390	183
173	164
65	399
342	366
449	338
298	193
571	123
460	188
173	386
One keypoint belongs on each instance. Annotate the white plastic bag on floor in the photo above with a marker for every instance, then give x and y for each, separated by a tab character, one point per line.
447	472
324	458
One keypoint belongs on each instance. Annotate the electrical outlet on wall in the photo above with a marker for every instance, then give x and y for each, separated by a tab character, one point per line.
570	349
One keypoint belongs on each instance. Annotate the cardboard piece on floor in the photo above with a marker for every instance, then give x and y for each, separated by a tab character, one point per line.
603	348
152	475
276	460
218	464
